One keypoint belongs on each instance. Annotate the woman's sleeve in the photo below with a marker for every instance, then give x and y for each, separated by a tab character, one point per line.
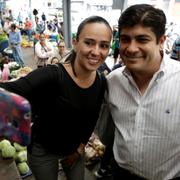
32	83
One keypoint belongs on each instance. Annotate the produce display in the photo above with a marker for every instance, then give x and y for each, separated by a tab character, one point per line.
25	43
15	70
94	150
17	152
20	72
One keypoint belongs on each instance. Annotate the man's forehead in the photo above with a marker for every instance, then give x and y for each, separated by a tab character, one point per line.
137	31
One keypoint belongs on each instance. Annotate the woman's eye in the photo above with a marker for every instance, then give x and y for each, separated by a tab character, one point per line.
105	46
88	42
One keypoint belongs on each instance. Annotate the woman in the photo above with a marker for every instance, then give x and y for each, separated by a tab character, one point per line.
66	100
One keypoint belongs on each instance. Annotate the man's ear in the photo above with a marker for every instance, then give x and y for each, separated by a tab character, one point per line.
162	41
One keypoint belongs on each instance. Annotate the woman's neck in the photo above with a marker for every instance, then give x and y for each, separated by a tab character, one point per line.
81	77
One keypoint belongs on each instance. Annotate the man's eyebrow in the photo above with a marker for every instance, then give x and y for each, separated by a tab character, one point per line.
143	36
138	36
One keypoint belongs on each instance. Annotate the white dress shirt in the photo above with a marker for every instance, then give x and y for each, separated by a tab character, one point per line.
147	127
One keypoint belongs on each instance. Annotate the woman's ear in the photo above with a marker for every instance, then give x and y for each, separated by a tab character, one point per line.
74	43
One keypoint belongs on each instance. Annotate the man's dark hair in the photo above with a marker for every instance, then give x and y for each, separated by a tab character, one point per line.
145	15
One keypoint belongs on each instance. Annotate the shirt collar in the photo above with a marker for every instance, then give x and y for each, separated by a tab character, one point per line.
158	74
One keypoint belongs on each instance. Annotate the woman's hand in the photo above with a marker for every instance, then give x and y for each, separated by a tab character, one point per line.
70	160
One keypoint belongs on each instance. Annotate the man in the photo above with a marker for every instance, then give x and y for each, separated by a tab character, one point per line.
144	99
40	26
28	28
175	54
44	50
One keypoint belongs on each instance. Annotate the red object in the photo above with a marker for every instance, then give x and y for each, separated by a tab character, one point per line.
15	118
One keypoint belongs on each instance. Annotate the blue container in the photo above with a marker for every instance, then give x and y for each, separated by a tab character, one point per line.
3	45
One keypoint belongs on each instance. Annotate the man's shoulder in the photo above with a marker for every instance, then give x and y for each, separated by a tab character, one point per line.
171	63
116	73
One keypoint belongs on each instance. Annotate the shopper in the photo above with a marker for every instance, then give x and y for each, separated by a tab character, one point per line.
115	45
62	51
28	27
44	51
66	99
144	99
175	54
15	44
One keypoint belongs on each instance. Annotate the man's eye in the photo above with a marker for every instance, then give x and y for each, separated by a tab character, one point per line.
143	40
124	40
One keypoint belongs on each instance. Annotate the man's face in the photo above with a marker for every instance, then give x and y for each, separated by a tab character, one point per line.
42	38
139	49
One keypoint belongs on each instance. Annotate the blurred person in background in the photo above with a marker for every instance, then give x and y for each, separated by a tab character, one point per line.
62	51
28	27
60	54
115	45
15	44
175	53
43	51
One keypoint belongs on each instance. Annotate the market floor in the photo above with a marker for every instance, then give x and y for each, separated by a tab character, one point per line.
28	57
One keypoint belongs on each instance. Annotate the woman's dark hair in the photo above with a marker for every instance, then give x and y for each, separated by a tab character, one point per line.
145	15
89	20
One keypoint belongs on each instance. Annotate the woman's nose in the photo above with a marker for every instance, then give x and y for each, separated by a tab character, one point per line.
96	50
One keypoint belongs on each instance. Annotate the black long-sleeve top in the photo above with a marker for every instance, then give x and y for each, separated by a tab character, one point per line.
64	114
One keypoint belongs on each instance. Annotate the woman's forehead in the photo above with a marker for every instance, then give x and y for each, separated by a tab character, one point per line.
99	30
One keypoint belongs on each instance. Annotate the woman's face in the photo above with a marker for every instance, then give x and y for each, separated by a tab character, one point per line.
93	45
61	48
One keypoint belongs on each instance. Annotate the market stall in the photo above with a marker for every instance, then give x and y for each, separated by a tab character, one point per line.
15	127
